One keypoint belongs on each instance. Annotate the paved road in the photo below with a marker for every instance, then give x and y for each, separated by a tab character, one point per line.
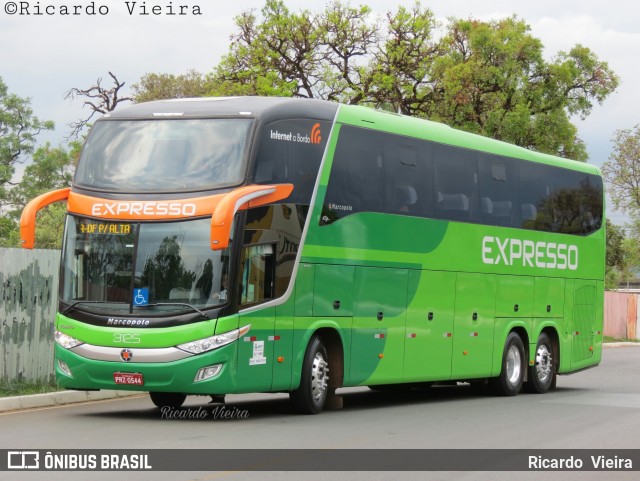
598	408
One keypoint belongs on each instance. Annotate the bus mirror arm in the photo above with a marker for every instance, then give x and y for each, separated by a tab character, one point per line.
28	217
240	199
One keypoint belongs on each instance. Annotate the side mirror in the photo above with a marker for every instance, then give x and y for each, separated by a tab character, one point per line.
240	199
28	217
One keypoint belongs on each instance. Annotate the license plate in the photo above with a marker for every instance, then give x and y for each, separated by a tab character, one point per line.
131	378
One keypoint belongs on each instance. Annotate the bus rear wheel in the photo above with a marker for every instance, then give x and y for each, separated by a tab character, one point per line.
167	399
541	374
509	383
310	397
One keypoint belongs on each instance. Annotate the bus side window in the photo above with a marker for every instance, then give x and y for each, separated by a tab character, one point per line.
408	176
456	177
498	194
366	178
281	160
257	274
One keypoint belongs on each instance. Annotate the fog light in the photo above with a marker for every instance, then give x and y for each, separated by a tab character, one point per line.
64	367
207	372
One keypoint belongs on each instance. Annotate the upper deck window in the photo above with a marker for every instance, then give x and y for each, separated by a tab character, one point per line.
290	151
164	155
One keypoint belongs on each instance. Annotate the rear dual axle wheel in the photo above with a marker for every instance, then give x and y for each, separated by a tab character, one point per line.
540	375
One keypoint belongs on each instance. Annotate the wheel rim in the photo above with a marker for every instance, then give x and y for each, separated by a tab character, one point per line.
319	377
543	363
514	365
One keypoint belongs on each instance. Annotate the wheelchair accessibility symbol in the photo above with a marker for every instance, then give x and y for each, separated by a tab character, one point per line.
141	297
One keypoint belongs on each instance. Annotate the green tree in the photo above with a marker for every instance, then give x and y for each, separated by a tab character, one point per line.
489	78
304	54
622	176
153	86
622	171
616	257
51	168
18	131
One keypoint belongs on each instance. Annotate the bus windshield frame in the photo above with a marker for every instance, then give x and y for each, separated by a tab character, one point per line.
150	268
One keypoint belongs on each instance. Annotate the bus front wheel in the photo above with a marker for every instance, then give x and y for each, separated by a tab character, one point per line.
167	399
511	376
310	397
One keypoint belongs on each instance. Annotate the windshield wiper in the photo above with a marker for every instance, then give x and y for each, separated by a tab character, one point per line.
204	316
71	306
193	308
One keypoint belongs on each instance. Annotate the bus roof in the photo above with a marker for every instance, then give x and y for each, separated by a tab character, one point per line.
268	108
256	107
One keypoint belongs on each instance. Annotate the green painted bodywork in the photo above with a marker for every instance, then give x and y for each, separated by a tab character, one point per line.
409	299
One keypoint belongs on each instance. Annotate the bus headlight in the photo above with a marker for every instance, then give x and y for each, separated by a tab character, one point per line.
214	342
65	340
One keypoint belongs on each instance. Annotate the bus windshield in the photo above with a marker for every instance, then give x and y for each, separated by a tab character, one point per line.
163	155
150	268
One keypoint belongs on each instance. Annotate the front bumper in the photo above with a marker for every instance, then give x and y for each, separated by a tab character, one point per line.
172	376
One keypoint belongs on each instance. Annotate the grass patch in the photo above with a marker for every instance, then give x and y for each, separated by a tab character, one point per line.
615	339
22	388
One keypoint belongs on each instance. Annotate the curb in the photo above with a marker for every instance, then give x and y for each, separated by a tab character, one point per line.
58	398
620	344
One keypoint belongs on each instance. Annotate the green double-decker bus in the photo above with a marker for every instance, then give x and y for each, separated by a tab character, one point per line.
235	245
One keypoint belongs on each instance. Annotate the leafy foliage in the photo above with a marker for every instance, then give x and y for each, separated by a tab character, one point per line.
18	131
155	86
622	171
616	258
488	78
52	168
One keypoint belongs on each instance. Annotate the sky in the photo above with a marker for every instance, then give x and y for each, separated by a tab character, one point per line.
43	56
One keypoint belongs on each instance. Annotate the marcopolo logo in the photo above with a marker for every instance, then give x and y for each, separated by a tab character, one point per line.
527	253
114	321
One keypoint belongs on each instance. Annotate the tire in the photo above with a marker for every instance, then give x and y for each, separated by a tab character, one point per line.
541	375
509	383
310	397
167	399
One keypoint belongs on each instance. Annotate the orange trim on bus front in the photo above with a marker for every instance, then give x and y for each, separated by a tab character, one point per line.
221	207
142	210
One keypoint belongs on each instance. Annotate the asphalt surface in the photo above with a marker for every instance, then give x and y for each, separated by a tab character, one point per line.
596	409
